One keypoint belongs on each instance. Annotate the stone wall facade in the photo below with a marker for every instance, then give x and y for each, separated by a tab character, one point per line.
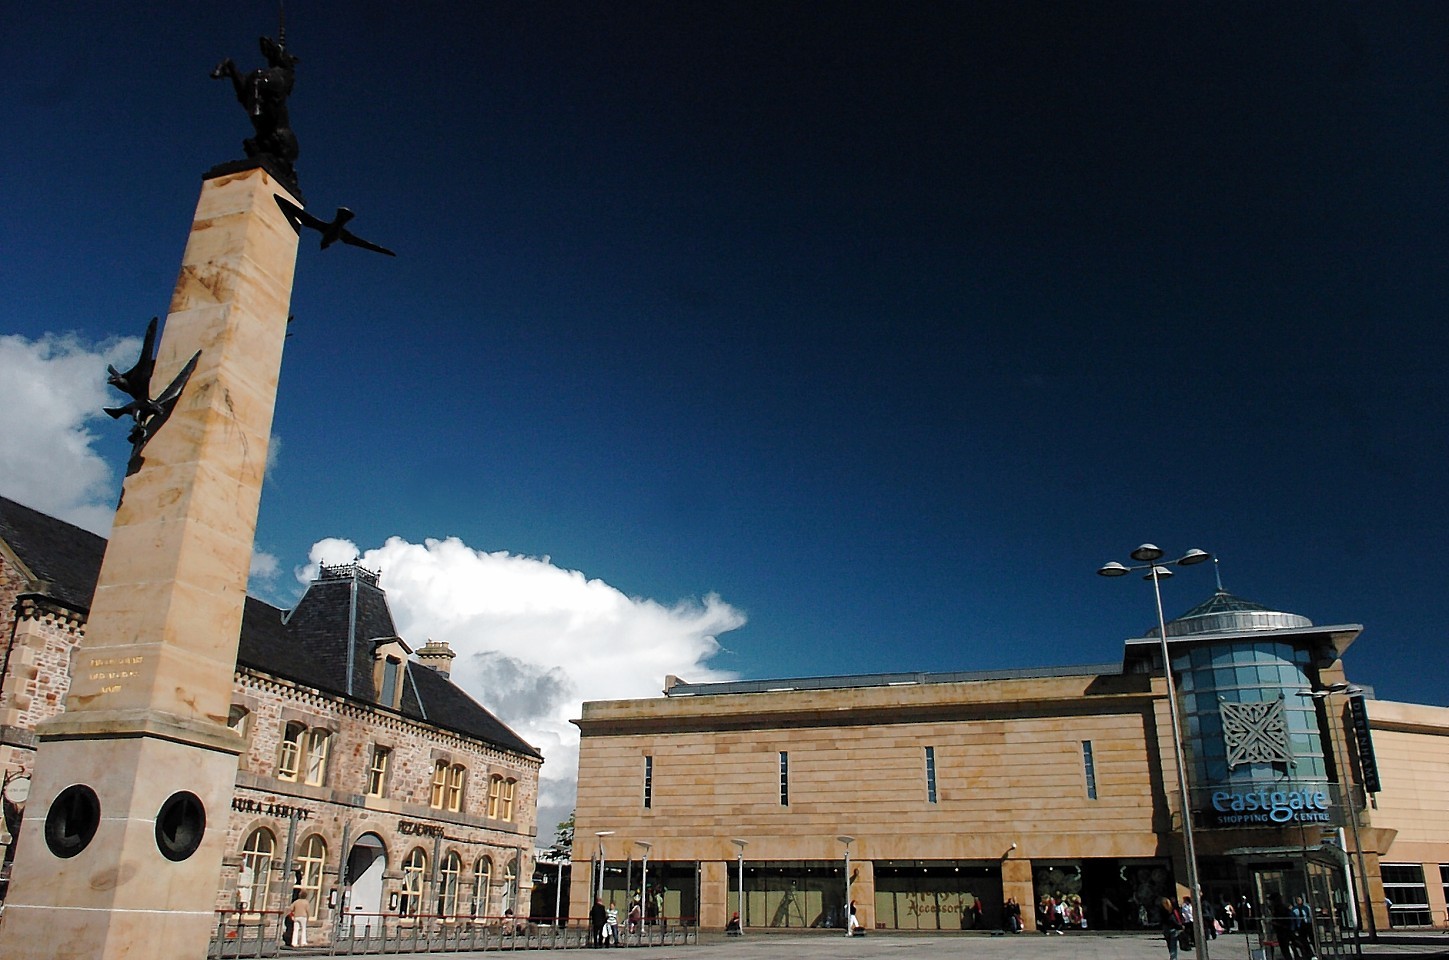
404	819
313	827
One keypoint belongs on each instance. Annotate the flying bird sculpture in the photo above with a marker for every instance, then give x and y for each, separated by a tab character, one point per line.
331	231
148	413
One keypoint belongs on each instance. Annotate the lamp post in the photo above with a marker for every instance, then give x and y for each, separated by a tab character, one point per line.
740	857
1147	556
601	834
558	896
1343	780
644	876
847	841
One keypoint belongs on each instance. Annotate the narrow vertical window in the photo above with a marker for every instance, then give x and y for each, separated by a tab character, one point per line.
648	783
290	763
930	774
318	745
377	770
784	779
505	812
1089	767
391	670
440	784
495	795
457	776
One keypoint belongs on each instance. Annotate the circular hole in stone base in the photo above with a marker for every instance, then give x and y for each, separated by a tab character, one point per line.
72	821
180	825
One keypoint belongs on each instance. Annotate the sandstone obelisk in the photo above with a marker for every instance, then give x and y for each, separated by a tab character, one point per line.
122	843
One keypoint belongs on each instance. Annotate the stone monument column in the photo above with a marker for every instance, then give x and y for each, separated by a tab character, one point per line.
121	849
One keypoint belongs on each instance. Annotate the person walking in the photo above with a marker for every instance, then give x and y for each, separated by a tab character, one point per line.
1301	916
611	926
1281	924
1171	926
598	916
299	911
1188	924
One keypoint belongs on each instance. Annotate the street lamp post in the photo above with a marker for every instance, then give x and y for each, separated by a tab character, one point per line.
847	841
740	857
601	834
1343	779
644	878
1147	555
558	896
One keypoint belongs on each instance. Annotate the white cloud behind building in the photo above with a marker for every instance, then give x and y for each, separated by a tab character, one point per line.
533	640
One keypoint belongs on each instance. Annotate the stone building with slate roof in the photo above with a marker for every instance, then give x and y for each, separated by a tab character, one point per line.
369	780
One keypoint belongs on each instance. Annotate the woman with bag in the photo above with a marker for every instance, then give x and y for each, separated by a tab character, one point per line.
1171	926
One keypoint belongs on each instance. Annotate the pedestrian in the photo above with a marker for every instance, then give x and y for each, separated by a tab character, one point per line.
1208	919
1011	916
299	912
1302	926
1188	922
1171	927
636	915
611	926
598	916
853	929
1282	926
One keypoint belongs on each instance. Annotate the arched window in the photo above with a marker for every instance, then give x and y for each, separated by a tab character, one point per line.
448	885
255	876
457	776
415	867
505	811
482	878
238	719
318	743
310	860
289	763
440	784
510	886
495	795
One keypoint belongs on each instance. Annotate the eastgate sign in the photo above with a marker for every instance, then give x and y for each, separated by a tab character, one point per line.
1269	808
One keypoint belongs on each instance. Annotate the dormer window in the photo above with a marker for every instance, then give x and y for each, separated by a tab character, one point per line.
391	674
389	670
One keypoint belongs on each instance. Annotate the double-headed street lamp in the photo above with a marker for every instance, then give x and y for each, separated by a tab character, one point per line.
1345	789
740	856
1148	554
847	841
601	834
644	877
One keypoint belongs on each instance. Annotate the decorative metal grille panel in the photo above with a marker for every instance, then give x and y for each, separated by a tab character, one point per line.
1255	733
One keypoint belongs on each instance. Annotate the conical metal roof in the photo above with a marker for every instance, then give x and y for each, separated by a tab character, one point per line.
1225	613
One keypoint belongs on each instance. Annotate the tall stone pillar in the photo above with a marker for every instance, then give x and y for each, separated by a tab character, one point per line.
125	828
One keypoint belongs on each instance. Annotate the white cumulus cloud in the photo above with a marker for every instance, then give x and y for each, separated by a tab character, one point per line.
533	640
52	391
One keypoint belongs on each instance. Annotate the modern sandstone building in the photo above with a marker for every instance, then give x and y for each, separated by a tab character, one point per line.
368	780
944	795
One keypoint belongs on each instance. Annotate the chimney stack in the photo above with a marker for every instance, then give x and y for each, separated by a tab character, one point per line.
437	655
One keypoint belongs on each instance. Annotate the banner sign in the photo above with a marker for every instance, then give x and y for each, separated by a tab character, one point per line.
1368	767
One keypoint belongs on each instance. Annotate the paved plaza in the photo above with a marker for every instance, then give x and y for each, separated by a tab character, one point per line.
886	946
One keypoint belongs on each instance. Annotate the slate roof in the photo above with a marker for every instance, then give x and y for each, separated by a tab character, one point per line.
326	642
55	551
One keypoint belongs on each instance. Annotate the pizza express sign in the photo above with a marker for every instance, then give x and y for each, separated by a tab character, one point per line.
1268	808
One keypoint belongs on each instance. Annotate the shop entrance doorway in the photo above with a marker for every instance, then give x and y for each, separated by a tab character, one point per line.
1321	884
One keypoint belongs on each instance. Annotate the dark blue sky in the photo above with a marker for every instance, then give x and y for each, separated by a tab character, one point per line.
886	322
